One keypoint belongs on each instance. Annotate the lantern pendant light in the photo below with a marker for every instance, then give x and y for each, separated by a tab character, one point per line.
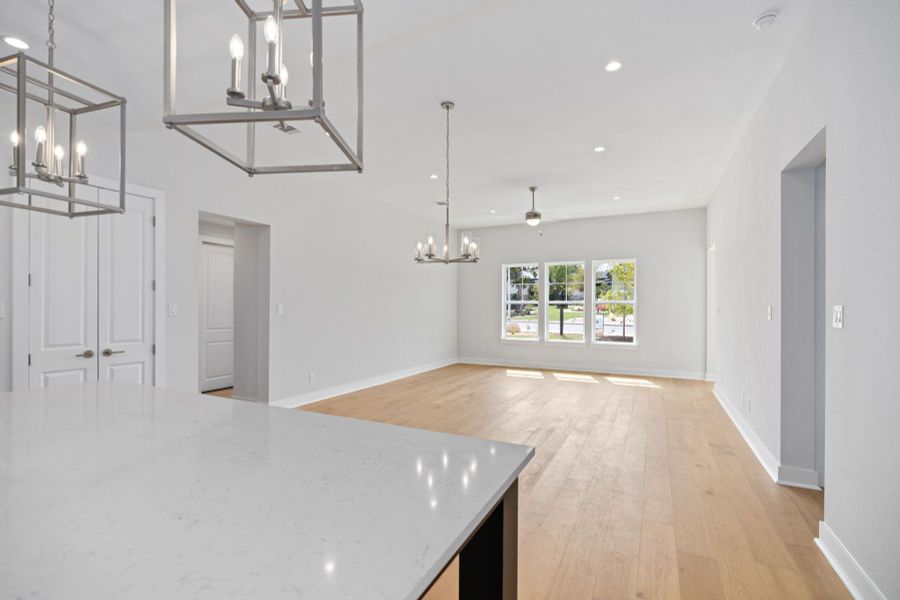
60	154
427	251
247	111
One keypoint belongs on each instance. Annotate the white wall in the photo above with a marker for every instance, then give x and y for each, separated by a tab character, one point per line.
6	299
355	304
842	73
670	248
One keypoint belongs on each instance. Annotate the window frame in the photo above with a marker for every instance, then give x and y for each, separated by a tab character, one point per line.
545	304
505	302
634	303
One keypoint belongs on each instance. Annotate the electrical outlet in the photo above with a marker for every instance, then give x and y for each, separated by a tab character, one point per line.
837	316
279	309
311	376
406	357
2	310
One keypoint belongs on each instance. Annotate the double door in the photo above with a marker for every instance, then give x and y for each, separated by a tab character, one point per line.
91	296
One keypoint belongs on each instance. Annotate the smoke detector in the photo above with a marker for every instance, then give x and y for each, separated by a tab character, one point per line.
765	20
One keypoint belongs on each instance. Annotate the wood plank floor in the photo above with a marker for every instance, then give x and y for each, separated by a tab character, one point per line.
639	488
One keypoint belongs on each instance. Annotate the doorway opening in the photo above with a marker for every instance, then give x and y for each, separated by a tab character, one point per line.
804	318
233	324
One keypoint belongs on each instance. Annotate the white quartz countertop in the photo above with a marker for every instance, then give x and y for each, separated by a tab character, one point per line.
115	490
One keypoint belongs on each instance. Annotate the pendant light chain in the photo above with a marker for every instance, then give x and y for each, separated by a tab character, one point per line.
447	157
51	30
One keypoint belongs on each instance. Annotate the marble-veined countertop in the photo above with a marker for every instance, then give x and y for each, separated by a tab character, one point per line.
113	490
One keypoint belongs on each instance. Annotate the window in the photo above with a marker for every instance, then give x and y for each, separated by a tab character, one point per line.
614	301
564	315
520	302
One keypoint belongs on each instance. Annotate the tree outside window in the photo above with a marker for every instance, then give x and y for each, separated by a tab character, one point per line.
614	301
565	302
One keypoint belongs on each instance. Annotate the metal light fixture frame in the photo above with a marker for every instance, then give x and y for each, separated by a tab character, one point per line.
73	105
315	112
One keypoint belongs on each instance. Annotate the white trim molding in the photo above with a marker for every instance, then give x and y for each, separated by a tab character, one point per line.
799	477
858	583
781	474
355	386
766	458
550	366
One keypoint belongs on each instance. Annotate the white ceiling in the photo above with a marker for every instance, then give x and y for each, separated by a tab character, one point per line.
533	98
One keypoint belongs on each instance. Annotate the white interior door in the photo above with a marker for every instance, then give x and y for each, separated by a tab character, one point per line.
91	290
125	282
62	299
216	316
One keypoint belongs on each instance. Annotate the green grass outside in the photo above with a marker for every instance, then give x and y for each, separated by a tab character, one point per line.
553	313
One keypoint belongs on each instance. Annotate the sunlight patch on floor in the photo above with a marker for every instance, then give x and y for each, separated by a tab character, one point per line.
524	374
575	377
632	382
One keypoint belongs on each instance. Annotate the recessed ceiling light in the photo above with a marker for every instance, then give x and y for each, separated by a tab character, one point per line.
765	20
16	43
613	66
493	212
617	197
433	176
599	149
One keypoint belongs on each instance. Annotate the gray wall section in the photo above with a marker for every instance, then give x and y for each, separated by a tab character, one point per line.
670	248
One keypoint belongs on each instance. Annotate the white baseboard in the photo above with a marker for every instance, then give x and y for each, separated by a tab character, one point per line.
355	386
799	477
858	583
766	458
710	376
527	364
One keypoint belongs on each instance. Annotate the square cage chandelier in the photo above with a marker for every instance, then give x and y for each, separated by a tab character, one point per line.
274	108
52	170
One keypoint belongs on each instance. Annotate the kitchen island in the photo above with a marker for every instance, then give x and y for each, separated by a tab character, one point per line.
115	490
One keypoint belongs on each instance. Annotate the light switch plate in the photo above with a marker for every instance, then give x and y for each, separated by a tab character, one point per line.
769	312
837	316
2	310
173	310
279	309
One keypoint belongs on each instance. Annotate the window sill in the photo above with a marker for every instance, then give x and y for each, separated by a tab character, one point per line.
514	342
622	345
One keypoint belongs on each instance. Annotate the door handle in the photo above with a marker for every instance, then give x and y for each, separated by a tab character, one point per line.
108	352
86	354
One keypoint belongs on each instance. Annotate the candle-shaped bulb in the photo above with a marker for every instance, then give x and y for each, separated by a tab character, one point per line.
40	138
236	47
270	30
80	151
58	154
14	140
284	75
